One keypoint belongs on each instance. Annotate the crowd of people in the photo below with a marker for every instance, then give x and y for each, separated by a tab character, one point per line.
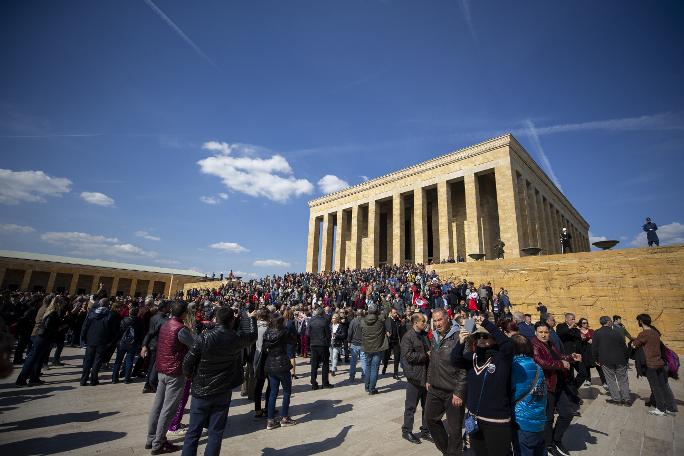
502	381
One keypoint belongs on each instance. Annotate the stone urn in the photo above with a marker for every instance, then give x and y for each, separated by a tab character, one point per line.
605	245
477	256
531	251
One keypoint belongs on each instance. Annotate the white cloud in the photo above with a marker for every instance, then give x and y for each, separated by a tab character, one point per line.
229	247
672	233
166	261
11	228
30	186
243	274
534	137
209	199
268	177
331	184
97	198
145	235
593	238
93	244
364	178
223	196
272	263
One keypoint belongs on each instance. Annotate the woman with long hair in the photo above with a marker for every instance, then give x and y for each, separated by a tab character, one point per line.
278	367
291	327
587	357
44	332
656	373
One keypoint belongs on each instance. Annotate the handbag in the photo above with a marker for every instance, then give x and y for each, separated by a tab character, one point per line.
470	420
532	388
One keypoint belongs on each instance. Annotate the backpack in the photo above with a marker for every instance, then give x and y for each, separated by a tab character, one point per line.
128	338
671	361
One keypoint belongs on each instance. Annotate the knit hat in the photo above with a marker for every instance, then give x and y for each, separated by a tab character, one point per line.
372	308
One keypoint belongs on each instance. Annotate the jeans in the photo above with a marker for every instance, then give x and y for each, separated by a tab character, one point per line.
210	412
414	394
373	361
129	353
491	439
356	354
276	379
92	362
560	401
617	381
320	356
34	361
528	443
334	355
657	380
437	404
169	392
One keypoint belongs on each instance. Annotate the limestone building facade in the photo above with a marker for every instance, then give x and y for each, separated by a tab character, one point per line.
51	273
451	206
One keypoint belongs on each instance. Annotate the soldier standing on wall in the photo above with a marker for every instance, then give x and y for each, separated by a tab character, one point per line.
499	248
565	238
651	235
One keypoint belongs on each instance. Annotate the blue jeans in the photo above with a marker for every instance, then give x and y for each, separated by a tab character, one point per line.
529	443
334	354
276	379
373	361
34	361
356	354
210	412
129	354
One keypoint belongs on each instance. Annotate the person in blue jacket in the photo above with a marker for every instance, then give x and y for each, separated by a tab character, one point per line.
528	396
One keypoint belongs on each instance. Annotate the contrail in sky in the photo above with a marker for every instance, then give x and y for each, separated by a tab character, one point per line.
180	32
532	133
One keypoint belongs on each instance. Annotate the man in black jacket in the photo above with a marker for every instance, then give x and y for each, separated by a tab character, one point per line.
355	341
99	329
393	329
446	388
610	352
319	342
415	355
215	365
570	335
149	346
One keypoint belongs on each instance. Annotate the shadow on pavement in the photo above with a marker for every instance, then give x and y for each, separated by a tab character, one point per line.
19	396
578	436
54	420
310	448
60	443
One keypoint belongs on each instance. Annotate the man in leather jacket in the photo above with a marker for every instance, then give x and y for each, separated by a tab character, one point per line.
446	388
215	365
415	357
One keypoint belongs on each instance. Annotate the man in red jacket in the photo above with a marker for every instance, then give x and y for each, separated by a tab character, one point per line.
174	341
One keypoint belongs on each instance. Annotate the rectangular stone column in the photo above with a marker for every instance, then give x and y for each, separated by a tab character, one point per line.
49	288
327	243
26	280
313	246
550	246
115	285
74	283
150	287
398	227
339	241
473	233
134	284
95	285
2	277
532	215
444	207
372	252
354	260
509	210
420	225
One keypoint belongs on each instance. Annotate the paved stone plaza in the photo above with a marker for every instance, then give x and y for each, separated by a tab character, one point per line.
62	418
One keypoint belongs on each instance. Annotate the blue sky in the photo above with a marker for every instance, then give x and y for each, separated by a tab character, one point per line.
192	134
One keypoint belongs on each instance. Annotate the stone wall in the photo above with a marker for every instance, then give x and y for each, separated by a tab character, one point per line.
624	282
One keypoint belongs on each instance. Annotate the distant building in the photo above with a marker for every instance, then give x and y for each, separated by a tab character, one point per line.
448	207
50	273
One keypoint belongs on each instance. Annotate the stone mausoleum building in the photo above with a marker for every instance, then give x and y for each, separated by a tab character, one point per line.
57	274
449	207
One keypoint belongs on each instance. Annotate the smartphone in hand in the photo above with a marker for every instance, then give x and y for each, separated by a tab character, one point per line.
469	325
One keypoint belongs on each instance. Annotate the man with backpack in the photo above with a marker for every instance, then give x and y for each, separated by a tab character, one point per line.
149	346
128	345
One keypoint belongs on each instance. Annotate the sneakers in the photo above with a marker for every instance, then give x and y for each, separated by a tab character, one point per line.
167	447
287	421
272	424
559	449
657	412
180	432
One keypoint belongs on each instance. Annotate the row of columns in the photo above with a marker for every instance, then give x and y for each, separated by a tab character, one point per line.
542	222
358	246
49	288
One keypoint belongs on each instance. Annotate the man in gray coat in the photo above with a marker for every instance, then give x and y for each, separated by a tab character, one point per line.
610	353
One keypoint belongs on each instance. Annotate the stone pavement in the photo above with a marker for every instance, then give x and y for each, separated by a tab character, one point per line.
61	417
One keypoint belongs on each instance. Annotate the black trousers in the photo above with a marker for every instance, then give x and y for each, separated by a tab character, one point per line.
395	350
559	401
414	393
320	355
448	441
492	439
92	362
657	380
152	377
258	390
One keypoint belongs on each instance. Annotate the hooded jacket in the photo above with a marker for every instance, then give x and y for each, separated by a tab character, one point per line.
373	336
100	327
275	348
